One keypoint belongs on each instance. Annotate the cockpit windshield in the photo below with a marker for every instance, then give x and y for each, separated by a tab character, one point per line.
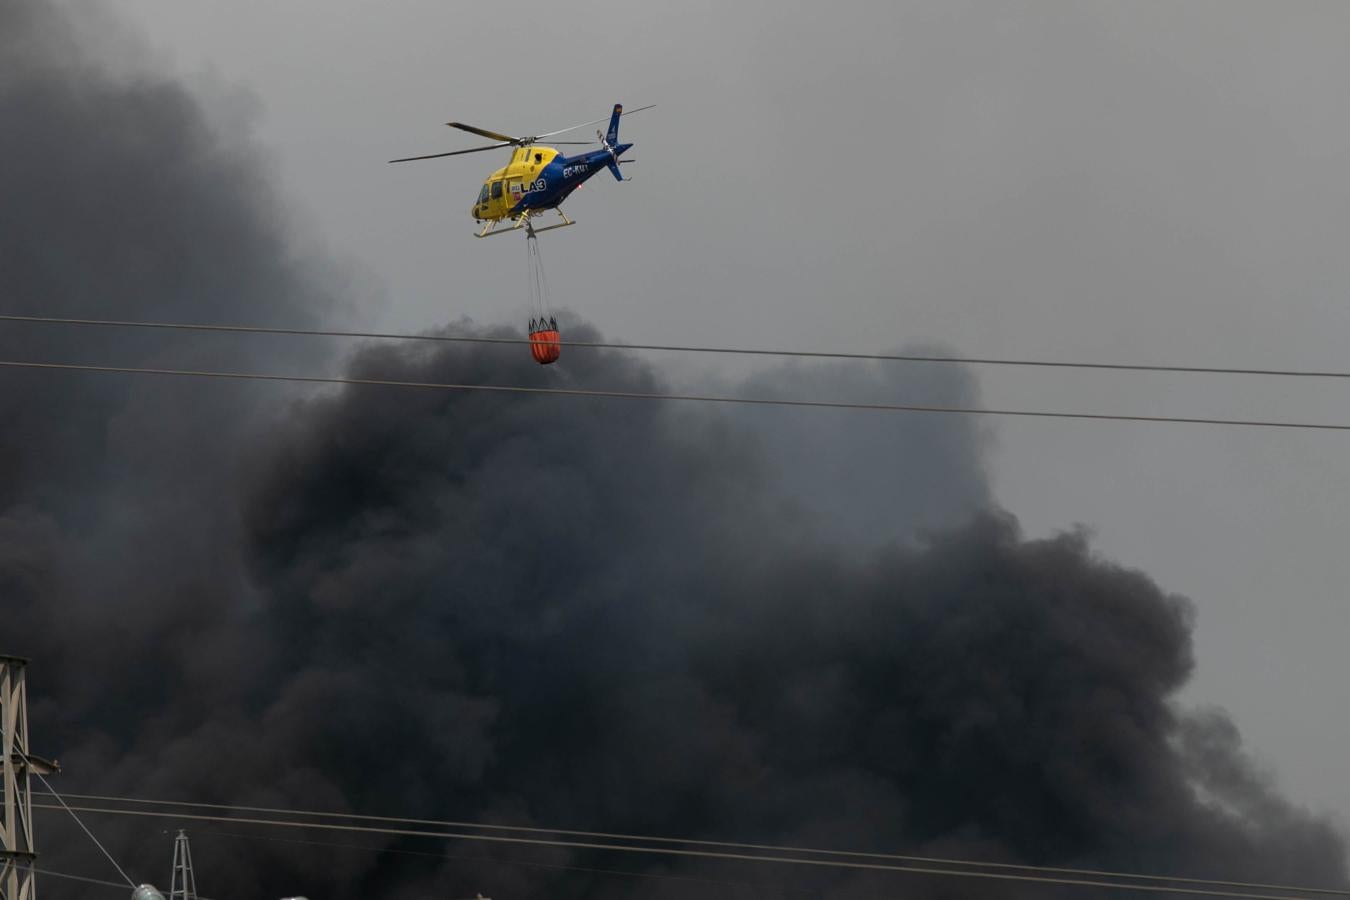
483	194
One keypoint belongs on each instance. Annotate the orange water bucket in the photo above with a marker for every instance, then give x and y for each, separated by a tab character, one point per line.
546	344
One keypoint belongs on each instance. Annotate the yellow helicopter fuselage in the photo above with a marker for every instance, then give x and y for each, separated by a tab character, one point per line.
528	173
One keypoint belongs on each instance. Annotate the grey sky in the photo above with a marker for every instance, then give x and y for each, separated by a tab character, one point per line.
1133	181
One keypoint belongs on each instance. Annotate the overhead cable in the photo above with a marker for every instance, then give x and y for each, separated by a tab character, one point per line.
776	848
499	861
699	398
50	874
699	853
687	348
83	827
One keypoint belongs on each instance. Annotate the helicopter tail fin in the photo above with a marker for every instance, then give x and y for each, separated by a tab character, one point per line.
611	142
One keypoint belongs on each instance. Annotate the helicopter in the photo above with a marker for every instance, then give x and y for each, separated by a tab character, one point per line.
538	178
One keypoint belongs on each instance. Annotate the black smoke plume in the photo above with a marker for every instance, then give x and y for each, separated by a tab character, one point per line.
627	617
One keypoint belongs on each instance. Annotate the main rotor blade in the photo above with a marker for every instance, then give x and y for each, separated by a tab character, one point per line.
626	112
483	132
451	153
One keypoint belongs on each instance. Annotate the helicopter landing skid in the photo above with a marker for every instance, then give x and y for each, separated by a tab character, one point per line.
523	221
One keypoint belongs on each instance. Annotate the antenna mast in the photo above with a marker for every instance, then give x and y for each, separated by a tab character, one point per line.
183	884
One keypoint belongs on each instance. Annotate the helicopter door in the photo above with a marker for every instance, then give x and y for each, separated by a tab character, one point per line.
496	192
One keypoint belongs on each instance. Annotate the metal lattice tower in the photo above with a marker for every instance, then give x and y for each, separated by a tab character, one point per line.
17	848
183	883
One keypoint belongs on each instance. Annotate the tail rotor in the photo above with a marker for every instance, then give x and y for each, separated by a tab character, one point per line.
607	143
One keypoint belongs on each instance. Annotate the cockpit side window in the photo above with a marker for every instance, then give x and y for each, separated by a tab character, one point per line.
483	194
496	190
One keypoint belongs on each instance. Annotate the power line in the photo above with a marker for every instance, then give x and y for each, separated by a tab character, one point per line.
703	854
50	874
699	398
83	827
776	848
687	348
509	863
495	860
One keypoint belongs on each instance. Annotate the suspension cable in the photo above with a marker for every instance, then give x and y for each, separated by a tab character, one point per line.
539	294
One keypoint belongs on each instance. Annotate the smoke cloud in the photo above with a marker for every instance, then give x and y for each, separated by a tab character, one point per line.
620	616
